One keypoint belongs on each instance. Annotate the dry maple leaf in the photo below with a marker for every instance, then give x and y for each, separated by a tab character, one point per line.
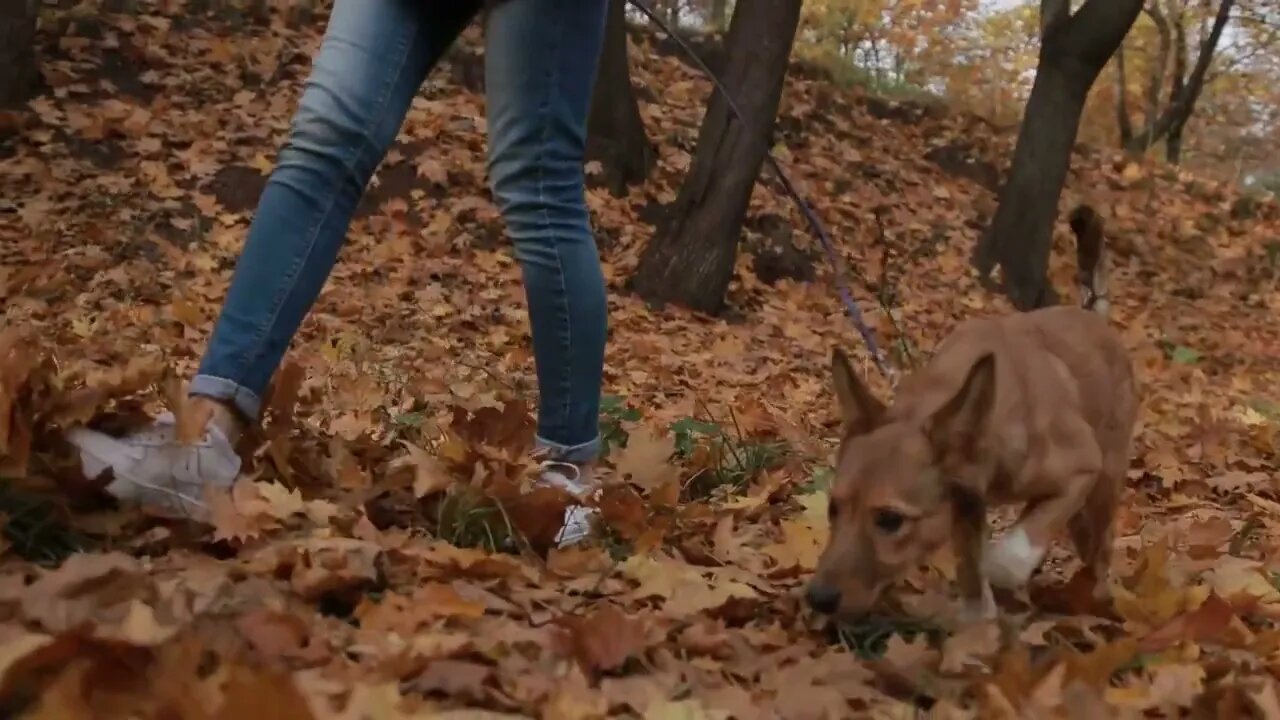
683	710
1206	622
603	640
280	502
406	614
972	645
429	475
575	699
645	459
333	564
683	588
455	678
241	514
282	635
139	626
80	589
1175	685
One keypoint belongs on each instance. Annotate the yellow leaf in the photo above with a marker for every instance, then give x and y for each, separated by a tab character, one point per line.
645	459
281	502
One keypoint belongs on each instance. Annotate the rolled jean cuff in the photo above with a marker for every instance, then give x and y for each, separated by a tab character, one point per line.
241	398
584	453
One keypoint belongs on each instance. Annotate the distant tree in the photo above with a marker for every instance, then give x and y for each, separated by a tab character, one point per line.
1167	124
1074	47
20	76
615	131
691	257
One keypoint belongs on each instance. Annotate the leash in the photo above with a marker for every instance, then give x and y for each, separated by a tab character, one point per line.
815	226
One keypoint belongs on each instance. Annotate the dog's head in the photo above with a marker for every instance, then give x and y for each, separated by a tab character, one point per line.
899	485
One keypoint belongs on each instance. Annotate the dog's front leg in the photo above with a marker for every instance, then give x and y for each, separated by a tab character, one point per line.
1010	561
969	537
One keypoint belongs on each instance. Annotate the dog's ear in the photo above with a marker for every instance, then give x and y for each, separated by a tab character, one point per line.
859	409
955	428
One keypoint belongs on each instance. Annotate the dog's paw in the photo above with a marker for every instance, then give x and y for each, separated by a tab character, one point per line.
1009	561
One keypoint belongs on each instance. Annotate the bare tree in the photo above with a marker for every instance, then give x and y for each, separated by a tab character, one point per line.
21	74
615	132
1184	88
690	259
1074	47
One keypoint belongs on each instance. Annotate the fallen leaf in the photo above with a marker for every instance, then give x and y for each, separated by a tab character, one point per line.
645	459
429	476
605	639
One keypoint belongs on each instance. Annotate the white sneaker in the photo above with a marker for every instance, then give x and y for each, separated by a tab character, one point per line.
575	480
151	467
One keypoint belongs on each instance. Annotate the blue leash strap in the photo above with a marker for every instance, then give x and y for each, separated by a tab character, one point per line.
815	226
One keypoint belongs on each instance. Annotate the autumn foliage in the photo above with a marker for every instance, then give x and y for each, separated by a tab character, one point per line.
384	557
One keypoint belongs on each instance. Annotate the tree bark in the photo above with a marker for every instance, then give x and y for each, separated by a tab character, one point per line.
615	132
1184	89
20	78
719	12
1158	68
1073	51
1123	122
690	259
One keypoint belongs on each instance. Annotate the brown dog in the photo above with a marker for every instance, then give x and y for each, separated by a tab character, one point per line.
1035	407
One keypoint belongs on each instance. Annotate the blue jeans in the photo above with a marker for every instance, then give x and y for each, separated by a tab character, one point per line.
540	67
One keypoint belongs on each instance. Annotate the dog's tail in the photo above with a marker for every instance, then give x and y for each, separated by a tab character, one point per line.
1093	268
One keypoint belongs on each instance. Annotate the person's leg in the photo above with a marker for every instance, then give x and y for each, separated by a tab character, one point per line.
540	68
373	60
371	64
541	60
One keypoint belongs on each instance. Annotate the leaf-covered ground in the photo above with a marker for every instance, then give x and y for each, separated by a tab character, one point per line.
384	558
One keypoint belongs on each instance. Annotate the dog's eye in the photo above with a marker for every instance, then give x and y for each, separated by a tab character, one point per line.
889	521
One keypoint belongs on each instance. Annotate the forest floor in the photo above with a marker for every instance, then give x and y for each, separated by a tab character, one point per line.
358	571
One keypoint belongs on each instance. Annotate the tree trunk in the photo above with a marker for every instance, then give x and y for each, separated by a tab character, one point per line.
1122	99
1173	145
719	13
615	132
1158	68
21	76
1073	51
690	259
1184	90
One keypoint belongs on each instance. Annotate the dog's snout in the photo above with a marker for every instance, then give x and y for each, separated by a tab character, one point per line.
823	598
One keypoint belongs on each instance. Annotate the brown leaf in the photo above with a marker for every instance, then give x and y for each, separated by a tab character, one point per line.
281	635
241	514
605	639
332	565
405	615
972	645
279	501
1206	622
624	511
82	588
429	475
538	515
457	678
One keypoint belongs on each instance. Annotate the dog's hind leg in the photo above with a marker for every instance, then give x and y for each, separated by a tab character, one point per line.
1092	527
